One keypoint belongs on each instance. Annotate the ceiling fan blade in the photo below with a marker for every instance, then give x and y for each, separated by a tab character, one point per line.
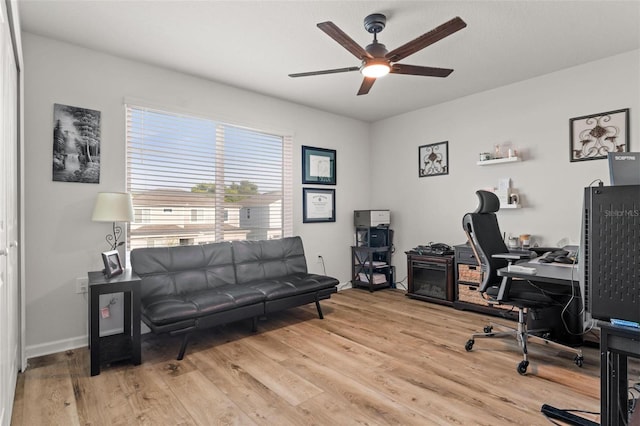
343	39
418	70
426	39
333	71
366	85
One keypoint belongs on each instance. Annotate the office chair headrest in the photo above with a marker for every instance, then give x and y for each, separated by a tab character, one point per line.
488	202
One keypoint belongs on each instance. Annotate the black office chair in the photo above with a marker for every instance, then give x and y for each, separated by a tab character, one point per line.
489	248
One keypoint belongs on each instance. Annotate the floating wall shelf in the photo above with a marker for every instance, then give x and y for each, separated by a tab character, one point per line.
498	161
510	206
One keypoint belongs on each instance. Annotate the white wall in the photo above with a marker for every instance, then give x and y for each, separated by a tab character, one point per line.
533	116
61	241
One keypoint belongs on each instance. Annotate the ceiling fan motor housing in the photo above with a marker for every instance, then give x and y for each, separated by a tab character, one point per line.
375	22
377	50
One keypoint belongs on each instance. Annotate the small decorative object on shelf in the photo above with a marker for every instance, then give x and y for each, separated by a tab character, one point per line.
501	154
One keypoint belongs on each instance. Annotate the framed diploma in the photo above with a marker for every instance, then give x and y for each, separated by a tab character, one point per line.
318	166
318	205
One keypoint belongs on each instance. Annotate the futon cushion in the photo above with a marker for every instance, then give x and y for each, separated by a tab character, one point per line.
268	259
166	309
293	284
181	270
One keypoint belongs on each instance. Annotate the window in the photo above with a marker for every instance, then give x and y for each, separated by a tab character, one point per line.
192	178
197	215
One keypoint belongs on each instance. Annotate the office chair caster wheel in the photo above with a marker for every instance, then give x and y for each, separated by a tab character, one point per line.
579	360
522	367
488	329
469	345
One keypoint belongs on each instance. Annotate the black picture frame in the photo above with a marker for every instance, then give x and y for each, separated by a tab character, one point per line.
112	264
592	137
318	166
433	159
318	205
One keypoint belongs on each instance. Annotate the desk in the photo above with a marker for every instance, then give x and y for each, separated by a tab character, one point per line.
545	272
616	345
566	277
121	346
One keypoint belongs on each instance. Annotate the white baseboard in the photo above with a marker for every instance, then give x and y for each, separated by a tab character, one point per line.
344	286
69	344
57	346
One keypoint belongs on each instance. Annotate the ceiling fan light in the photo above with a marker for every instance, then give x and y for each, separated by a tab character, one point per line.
375	70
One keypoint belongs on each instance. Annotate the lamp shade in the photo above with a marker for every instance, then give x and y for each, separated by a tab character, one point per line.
113	207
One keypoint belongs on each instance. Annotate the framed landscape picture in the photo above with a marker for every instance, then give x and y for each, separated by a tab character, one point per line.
76	144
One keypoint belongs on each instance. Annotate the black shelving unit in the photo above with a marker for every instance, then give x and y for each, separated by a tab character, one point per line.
371	267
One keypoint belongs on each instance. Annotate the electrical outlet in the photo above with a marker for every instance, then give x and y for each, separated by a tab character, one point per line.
81	285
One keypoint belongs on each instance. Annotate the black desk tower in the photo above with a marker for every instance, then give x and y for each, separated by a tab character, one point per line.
611	252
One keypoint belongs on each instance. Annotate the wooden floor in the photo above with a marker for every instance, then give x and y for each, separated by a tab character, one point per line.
377	358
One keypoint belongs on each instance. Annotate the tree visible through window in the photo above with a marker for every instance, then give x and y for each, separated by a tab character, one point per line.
195	180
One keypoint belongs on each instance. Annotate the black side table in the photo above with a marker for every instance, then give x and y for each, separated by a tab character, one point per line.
121	346
617	344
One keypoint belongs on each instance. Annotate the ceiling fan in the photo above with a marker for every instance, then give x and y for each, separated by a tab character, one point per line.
376	60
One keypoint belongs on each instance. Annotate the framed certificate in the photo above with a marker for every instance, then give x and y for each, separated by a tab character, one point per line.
318	205
318	166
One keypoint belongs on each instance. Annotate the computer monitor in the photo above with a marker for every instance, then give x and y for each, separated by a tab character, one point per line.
624	168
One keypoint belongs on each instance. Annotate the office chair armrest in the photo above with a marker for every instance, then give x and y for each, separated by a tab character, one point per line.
505	287
513	256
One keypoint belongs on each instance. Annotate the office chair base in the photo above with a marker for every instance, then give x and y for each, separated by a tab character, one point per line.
523	335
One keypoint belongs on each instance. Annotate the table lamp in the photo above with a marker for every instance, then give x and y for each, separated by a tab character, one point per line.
113	207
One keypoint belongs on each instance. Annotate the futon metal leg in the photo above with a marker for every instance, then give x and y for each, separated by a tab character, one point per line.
319	309
183	347
254	324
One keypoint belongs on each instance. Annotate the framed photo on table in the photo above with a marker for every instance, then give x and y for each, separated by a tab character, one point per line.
318	166
318	205
112	264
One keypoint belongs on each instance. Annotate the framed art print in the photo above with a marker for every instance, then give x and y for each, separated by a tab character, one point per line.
76	144
318	166
593	136
318	205
433	159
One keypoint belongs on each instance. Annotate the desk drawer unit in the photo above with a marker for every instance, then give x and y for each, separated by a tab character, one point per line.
468	278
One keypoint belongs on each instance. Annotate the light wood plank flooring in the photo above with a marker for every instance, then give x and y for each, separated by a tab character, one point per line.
377	358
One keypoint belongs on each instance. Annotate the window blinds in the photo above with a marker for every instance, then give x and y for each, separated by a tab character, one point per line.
195	180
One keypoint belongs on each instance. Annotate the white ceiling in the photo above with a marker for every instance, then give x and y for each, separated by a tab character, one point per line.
254	45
